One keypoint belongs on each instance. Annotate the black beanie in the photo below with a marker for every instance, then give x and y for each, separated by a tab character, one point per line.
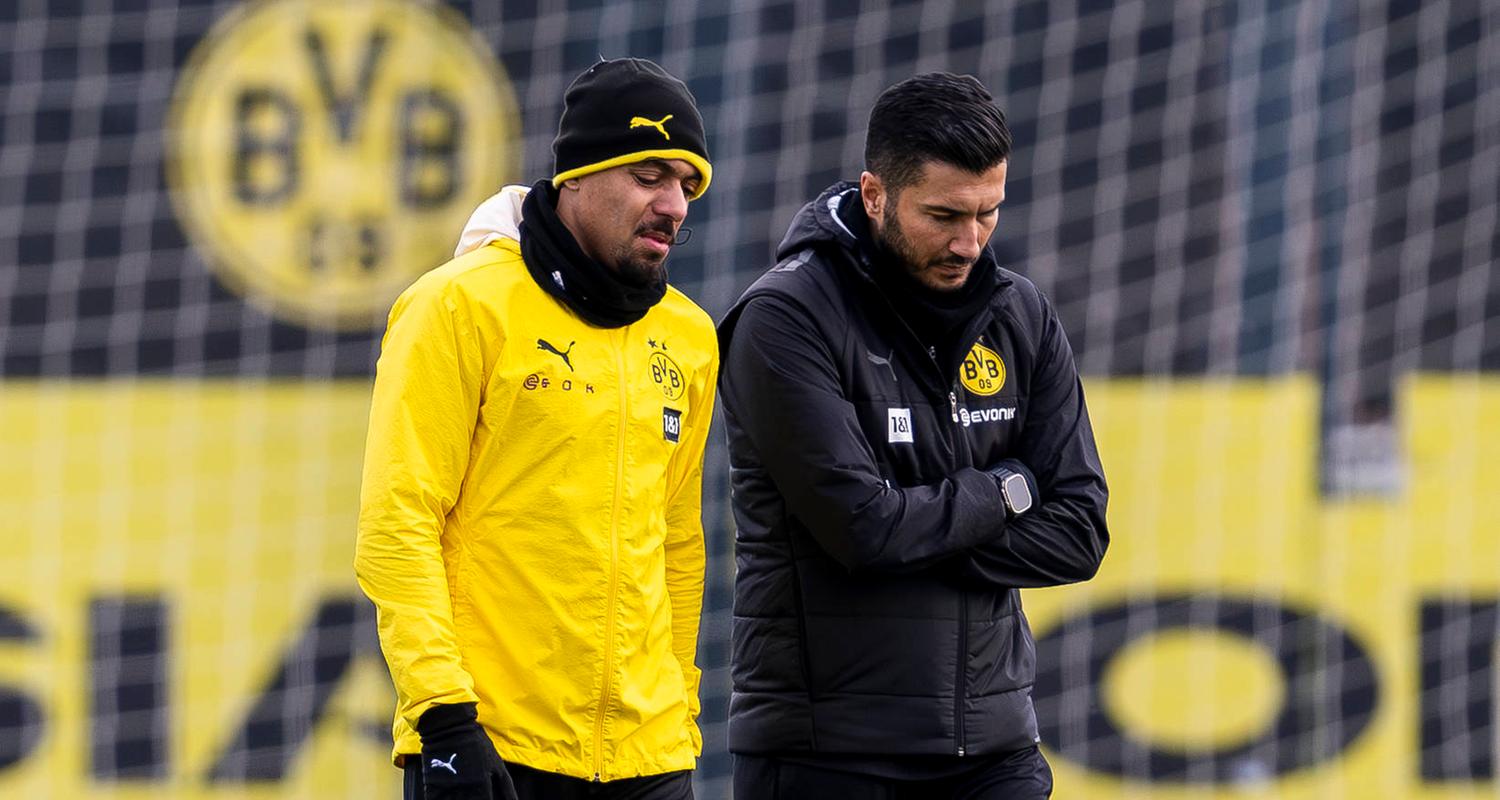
624	111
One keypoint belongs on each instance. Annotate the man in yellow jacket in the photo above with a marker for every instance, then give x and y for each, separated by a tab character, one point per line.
529	526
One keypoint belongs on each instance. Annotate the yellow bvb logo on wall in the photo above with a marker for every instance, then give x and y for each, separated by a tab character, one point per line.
323	154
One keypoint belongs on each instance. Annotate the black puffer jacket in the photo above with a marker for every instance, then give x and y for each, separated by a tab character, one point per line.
875	606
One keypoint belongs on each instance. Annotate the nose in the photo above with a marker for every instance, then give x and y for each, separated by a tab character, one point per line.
671	202
968	242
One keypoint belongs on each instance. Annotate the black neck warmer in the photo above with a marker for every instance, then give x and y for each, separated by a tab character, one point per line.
559	266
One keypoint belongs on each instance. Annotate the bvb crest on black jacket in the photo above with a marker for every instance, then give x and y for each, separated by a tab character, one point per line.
876	607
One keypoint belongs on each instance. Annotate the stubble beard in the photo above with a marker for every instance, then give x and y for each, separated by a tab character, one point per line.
892	241
642	268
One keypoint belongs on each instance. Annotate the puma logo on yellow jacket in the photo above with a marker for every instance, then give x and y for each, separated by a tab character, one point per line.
529	525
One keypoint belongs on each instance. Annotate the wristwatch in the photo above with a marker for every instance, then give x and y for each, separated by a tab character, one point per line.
1014	490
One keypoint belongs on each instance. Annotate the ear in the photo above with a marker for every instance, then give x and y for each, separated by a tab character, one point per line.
872	192
571	183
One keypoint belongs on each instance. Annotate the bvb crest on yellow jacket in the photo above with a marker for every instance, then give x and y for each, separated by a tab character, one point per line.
320	154
983	371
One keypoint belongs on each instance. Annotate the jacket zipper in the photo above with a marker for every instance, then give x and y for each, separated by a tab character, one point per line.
614	565
960	684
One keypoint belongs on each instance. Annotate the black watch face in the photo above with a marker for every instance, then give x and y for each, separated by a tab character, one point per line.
1017	494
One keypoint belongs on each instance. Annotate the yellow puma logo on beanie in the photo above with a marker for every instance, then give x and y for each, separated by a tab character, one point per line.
642	122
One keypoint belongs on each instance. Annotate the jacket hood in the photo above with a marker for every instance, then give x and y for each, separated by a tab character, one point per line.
818	225
818	222
499	217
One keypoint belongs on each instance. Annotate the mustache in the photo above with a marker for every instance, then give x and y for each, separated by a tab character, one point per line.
953	261
661	225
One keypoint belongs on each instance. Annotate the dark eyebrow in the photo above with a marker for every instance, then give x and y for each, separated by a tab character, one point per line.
940	209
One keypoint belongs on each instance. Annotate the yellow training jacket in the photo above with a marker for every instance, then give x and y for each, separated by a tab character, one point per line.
529	525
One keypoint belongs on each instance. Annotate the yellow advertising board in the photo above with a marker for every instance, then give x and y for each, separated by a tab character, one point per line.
179	617
180	573
1214	512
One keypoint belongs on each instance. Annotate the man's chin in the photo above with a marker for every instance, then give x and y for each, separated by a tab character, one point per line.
945	279
644	271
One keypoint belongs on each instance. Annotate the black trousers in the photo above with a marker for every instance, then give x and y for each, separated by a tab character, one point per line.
534	784
1023	775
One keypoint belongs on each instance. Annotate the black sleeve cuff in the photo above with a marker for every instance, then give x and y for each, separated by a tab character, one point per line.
442	718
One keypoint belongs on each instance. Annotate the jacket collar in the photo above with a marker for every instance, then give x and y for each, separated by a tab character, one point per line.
820	225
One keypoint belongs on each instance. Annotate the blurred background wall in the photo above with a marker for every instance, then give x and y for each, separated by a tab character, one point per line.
1270	228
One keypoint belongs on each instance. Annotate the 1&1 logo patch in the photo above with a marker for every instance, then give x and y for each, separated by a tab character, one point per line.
898	425
671	424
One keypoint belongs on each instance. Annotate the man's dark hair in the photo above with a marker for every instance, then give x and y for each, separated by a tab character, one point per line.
936	116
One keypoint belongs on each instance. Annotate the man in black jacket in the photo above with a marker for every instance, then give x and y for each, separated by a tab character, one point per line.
910	447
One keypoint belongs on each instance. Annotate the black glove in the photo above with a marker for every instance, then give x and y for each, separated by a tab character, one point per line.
1018	499
459	761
